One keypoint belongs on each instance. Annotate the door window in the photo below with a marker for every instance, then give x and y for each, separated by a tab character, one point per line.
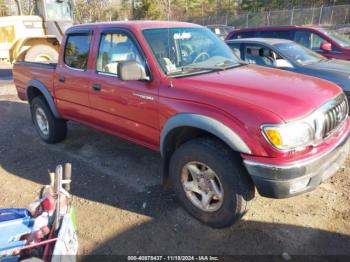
115	48
260	55
77	51
236	49
309	40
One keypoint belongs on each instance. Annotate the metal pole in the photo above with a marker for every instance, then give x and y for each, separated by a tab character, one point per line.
330	22
247	22
169	11
133	9
292	17
319	19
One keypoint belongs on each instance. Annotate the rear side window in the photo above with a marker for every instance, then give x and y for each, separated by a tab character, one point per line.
77	50
269	34
285	34
244	35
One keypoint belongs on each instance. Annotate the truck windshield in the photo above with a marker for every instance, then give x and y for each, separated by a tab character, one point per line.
183	51
58	10
299	54
338	38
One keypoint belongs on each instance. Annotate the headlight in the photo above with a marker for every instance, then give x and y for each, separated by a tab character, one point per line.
310	130
290	136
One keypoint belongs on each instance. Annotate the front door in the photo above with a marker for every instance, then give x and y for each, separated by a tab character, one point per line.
313	41
125	108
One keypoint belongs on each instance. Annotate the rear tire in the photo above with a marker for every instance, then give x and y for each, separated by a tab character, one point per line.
50	129
41	53
233	189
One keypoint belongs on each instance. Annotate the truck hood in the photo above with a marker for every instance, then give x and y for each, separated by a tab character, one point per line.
286	94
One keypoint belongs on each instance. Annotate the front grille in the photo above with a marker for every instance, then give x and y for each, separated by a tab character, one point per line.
335	116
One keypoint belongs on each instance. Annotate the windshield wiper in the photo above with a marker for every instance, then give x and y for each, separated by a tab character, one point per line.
217	67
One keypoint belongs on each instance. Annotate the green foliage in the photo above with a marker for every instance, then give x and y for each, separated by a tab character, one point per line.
147	9
265	5
185	9
106	10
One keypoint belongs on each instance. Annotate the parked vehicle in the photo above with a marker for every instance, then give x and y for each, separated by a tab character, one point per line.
221	30
344	31
221	126
326	42
288	55
36	37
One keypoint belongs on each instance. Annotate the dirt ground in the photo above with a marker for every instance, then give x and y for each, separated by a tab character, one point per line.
122	208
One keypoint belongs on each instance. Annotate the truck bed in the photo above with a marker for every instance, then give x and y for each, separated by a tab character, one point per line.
24	72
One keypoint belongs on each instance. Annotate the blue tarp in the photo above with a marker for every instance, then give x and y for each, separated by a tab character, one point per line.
14	223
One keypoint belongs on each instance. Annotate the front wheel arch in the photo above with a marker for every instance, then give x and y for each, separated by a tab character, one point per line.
184	127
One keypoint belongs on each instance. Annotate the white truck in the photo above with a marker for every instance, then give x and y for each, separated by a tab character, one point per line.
37	37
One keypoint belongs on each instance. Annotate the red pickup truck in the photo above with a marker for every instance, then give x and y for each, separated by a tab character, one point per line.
222	127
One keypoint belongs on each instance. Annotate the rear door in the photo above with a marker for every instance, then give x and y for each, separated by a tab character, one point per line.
71	81
283	34
126	108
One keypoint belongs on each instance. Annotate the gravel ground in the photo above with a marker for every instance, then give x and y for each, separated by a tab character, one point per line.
122	208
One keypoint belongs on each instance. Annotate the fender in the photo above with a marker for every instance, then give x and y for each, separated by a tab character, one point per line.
42	88
218	129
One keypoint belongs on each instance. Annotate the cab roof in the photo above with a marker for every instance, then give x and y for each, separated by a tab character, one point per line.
138	24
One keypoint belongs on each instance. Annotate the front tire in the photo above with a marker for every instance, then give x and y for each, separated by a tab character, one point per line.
210	182
50	129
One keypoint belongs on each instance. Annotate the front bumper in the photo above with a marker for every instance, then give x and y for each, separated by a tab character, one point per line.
282	181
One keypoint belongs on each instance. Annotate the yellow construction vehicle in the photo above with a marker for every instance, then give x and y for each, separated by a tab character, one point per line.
37	37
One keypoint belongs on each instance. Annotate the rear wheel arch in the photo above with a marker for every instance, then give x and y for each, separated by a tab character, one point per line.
36	88
183	127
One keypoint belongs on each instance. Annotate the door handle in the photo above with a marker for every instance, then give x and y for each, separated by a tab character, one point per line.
96	87
62	79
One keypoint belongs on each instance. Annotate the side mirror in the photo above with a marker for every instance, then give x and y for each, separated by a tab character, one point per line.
282	63
325	46
131	70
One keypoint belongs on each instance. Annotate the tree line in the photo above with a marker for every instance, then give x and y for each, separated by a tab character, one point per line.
187	9
107	10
